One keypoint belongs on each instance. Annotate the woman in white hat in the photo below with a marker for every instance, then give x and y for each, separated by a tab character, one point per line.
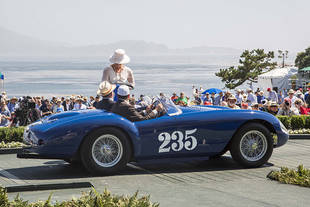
117	72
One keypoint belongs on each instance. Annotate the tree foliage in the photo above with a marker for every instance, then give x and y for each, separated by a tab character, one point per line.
251	64
303	59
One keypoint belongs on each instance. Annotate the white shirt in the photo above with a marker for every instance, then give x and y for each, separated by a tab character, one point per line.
124	76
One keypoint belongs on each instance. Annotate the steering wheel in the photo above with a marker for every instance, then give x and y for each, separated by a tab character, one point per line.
126	84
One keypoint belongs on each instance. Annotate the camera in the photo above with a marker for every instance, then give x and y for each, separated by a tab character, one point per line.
287	103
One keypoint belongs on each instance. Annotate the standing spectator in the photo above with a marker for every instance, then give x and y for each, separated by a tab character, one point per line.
207	100
298	109
97	99
66	104
182	100
59	107
5	115
79	104
280	97
251	97
273	108
231	102
218	100
200	90
291	96
260	97
174	97
213	97
300	95
91	100
12	105
272	95
285	109
307	98
238	97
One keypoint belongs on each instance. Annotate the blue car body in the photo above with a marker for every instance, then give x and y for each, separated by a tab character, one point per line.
196	131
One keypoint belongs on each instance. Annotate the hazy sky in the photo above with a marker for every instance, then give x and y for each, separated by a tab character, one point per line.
269	24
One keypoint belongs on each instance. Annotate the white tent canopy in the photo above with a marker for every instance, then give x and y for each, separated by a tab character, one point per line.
278	77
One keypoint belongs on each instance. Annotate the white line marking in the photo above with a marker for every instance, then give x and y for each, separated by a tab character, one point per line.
12	177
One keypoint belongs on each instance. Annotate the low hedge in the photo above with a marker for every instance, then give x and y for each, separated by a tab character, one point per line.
93	198
11	134
295	122
301	176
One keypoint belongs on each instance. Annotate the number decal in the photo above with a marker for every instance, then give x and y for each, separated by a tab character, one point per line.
189	142
177	135
190	145
165	138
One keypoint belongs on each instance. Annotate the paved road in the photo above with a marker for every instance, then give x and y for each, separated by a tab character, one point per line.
219	182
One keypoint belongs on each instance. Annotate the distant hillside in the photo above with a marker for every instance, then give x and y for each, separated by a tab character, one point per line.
13	44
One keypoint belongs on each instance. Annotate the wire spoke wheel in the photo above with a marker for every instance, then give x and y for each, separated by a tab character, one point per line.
253	145
107	150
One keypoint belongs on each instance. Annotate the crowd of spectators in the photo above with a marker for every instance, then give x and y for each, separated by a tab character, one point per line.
25	110
286	102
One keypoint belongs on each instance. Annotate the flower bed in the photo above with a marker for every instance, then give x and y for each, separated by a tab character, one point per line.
301	176
93	198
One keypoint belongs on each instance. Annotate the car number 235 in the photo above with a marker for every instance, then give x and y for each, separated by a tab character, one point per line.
179	141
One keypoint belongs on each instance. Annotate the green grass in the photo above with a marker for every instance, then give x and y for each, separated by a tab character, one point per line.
301	176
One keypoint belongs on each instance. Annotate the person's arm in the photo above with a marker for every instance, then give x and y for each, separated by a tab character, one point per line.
130	78
134	115
105	75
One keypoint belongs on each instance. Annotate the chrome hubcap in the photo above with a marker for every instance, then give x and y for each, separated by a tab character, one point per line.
253	145
107	150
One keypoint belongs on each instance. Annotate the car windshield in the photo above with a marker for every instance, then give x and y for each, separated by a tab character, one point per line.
169	106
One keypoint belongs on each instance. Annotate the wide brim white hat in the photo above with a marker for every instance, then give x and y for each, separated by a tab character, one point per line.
105	88
119	57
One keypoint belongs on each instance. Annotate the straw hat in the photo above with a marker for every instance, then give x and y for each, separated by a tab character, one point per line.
119	57
291	91
14	98
232	98
105	88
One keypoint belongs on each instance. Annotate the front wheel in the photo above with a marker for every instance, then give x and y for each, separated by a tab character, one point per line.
252	145
105	151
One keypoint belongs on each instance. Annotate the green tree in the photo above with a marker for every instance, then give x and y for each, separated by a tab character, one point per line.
251	64
303	59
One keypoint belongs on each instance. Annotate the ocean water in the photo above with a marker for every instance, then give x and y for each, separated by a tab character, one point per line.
64	78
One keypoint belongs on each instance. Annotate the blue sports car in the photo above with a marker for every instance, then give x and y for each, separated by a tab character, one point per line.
104	142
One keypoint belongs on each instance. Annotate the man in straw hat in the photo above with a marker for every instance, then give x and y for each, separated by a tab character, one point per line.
106	91
117	72
231	102
12	104
125	109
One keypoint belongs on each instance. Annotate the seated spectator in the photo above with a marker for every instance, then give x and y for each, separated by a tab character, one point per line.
66	104
224	104
273	108
182	100
231	102
5	115
285	109
300	95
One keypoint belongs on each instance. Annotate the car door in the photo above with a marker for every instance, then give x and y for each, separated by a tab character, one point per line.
153	136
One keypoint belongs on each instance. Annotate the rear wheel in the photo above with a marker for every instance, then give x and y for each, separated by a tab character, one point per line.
105	151
252	145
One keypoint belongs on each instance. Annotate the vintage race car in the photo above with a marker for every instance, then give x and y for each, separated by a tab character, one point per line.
105	142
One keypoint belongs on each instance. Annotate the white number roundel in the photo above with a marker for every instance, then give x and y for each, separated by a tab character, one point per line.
177	138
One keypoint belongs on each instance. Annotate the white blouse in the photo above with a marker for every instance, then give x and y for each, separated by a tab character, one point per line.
124	76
